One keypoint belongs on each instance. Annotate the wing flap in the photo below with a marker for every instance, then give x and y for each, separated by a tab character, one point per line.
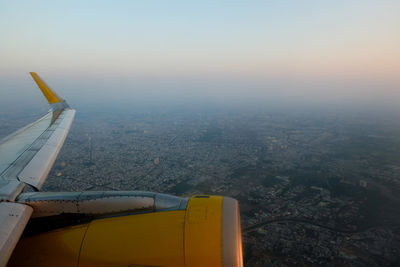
13	219
16	144
10	189
27	155
39	167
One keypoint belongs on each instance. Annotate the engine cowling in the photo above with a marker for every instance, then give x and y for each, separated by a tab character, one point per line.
203	232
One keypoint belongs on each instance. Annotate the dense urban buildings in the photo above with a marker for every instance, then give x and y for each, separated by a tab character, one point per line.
315	188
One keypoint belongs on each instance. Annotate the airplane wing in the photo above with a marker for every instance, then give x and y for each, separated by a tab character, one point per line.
26	157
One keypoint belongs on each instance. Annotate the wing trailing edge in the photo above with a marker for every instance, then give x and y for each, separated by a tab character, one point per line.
27	155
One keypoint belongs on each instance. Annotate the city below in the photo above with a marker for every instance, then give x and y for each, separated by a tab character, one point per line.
315	188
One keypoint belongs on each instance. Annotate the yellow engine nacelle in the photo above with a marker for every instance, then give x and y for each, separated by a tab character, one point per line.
206	233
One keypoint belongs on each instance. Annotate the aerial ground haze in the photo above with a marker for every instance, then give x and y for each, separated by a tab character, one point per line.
290	107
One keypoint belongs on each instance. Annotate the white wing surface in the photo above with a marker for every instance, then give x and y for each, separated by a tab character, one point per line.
26	157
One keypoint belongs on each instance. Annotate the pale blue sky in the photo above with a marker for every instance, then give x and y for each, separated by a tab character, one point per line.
213	48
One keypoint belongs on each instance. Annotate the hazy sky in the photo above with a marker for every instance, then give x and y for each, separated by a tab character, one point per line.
120	50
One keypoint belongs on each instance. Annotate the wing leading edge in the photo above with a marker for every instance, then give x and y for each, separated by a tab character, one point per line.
26	157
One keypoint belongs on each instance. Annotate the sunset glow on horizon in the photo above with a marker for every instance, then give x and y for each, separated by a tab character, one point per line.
263	41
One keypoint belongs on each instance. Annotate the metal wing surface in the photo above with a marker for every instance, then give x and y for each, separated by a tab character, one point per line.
26	157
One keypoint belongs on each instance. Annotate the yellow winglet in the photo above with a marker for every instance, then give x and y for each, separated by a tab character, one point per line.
51	96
